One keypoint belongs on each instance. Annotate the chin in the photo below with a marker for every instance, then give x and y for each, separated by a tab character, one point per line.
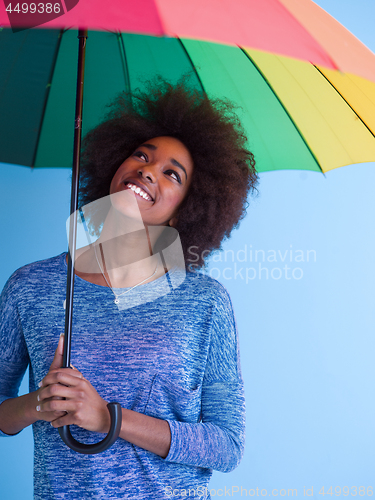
125	204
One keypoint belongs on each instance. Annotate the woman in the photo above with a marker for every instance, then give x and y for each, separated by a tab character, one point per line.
168	354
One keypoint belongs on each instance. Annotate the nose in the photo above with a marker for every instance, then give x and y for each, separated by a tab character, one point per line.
148	172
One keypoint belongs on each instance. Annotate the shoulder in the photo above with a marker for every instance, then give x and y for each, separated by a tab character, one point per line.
44	267
36	273
207	289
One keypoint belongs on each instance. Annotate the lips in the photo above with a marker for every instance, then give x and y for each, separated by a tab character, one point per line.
139	190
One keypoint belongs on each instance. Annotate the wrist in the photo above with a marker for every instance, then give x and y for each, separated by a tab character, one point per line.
29	408
17	413
105	419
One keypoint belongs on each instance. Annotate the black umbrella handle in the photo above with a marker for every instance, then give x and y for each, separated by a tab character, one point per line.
91	449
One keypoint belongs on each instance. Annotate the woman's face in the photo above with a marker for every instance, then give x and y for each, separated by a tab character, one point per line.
159	172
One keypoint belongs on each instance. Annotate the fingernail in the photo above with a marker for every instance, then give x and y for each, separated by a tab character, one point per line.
38	398
38	408
40	383
62	334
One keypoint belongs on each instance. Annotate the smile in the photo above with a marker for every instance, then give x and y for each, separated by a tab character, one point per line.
137	190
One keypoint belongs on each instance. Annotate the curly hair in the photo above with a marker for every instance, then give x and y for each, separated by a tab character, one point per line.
224	169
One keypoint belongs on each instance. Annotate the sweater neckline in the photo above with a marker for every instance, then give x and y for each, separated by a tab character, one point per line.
165	277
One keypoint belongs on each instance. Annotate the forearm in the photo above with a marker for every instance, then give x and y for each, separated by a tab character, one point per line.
205	445
149	433
18	413
200	444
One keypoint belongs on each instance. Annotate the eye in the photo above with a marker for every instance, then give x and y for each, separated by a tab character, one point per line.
141	154
174	175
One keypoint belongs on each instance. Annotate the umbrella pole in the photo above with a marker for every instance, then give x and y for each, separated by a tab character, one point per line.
82	36
113	408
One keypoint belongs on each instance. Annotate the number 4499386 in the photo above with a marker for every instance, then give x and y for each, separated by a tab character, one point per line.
33	8
352	491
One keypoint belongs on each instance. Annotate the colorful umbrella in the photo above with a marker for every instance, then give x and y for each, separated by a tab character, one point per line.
299	111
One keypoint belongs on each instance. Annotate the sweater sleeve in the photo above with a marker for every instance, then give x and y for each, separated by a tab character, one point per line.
217	441
14	357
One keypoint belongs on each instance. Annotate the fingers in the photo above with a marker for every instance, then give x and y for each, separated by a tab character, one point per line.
93	419
58	358
59	386
65	419
55	401
49	416
66	390
65	376
60	406
52	416
57	392
59	355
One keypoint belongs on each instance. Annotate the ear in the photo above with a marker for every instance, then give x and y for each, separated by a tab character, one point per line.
173	222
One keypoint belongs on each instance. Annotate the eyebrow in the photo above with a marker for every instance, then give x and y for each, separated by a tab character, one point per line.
172	160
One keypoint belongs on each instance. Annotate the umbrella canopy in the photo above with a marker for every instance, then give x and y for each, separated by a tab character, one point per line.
297	115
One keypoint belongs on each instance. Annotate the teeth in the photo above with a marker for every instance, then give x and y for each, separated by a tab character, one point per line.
139	191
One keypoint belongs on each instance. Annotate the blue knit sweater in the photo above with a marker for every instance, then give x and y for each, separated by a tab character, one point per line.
170	355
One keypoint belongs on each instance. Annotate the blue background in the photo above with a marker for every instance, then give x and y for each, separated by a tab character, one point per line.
307	343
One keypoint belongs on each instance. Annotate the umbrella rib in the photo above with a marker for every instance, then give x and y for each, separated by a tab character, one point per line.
343	98
284	108
124	62
192	65
46	96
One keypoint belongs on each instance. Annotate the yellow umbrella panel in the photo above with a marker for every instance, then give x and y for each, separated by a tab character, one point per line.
296	115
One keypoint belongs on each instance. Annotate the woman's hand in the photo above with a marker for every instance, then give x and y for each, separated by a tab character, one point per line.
82	406
67	398
57	362
20	412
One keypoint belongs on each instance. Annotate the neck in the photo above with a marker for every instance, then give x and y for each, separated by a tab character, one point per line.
123	253
126	260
